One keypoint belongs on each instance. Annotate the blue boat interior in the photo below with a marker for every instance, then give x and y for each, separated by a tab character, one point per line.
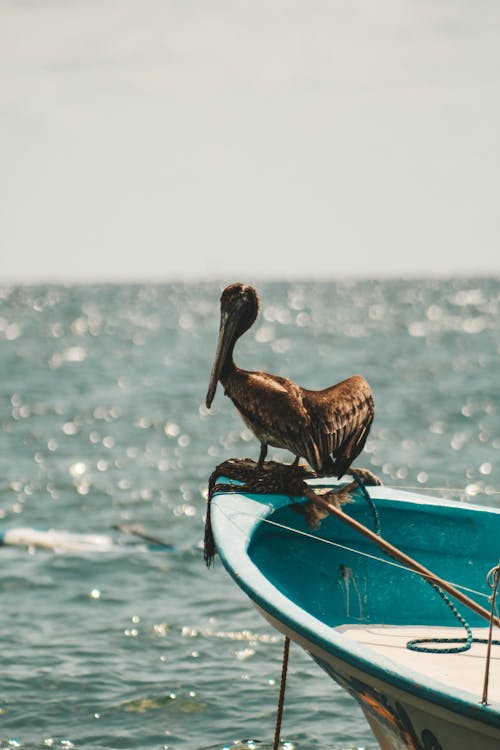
340	577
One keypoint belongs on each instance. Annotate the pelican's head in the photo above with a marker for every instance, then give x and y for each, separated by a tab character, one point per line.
239	307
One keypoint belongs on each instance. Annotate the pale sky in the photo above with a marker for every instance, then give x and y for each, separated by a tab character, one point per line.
166	139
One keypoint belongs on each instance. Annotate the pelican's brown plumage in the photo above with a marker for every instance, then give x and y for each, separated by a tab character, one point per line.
328	428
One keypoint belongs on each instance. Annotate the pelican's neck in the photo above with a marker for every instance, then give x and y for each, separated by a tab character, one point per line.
229	365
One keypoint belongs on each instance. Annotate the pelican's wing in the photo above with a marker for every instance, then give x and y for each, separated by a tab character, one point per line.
273	409
340	417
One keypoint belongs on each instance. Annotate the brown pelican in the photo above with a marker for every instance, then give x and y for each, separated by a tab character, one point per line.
328	428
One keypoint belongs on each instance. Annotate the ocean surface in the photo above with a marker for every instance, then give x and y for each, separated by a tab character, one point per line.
103	423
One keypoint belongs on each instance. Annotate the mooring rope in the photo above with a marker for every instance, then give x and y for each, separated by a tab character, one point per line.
492	580
281	699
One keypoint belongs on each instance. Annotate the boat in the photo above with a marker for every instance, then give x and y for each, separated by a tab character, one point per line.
424	668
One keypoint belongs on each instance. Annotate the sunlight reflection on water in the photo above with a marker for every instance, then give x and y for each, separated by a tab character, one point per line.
103	423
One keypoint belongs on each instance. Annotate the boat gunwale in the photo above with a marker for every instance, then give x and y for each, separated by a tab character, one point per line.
233	539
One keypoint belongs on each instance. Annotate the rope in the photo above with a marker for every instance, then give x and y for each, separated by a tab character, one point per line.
449	490
281	699
356	551
376	518
417	643
492	580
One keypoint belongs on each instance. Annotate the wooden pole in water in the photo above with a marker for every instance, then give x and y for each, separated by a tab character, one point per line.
400	556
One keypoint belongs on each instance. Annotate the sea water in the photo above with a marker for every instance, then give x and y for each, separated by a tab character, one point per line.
103	423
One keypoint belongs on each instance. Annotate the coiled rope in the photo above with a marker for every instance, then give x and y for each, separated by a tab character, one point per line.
417	644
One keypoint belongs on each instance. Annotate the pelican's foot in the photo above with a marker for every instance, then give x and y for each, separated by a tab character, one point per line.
252	465
245	463
278	468
293	468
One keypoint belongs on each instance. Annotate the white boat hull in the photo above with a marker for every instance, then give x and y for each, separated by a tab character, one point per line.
398	719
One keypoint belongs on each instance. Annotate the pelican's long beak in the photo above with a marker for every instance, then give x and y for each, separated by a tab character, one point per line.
227	332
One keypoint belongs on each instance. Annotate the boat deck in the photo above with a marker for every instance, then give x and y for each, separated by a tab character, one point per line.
463	670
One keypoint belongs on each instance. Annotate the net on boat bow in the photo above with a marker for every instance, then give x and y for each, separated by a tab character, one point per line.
278	479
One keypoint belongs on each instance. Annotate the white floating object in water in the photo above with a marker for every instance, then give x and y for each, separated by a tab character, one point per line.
63	541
